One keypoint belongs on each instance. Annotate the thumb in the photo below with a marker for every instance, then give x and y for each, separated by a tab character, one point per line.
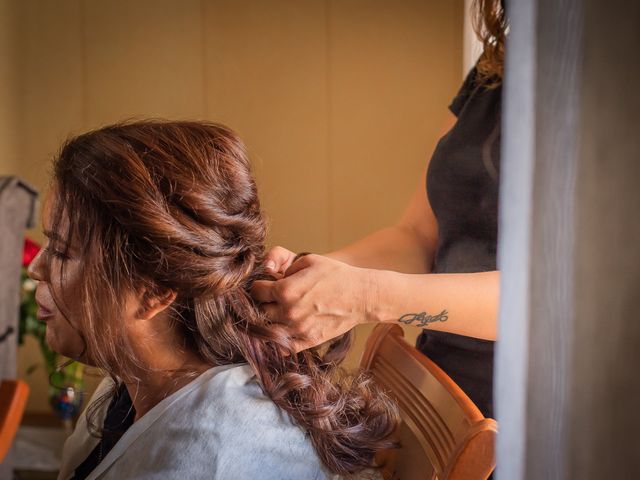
278	260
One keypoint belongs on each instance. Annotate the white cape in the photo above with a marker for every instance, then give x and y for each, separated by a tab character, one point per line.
220	426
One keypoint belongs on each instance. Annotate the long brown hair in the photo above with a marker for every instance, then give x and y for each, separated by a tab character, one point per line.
490	24
173	206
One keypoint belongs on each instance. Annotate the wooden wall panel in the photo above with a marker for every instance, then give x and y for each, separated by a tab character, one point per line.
143	59
51	108
51	86
266	71
394	68
9	80
340	102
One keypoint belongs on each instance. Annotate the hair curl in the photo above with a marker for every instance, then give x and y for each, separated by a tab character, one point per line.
173	206
490	24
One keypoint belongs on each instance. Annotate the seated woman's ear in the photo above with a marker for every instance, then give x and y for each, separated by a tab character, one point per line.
151	304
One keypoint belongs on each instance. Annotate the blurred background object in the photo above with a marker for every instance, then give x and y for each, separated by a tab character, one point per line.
17	212
13	399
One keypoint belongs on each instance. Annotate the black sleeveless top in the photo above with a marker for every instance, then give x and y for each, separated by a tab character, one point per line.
462	186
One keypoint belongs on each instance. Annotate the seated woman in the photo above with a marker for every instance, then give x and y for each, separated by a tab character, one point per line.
155	235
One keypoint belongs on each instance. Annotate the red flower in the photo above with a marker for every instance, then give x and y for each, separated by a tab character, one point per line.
31	249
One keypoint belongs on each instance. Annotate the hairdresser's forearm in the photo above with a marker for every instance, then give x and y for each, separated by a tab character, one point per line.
394	248
461	303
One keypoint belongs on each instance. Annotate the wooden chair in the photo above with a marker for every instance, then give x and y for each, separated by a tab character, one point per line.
443	435
13	399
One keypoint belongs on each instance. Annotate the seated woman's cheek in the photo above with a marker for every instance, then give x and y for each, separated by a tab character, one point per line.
63	339
59	280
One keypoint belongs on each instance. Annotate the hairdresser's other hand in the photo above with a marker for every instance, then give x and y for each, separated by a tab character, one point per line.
318	299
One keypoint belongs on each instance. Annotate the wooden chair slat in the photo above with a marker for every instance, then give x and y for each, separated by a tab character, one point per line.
443	435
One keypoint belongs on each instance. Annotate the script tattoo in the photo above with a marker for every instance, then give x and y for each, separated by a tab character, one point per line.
423	318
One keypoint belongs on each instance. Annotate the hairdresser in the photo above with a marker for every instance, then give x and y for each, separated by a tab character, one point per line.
435	268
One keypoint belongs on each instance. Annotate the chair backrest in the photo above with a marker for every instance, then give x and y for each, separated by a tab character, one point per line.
443	435
13	400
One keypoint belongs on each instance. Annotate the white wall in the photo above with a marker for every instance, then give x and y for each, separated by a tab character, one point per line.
472	47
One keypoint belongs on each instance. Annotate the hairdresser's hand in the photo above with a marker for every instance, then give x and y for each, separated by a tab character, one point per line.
318	298
278	260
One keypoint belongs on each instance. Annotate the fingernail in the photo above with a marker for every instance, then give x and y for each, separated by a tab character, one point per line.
270	265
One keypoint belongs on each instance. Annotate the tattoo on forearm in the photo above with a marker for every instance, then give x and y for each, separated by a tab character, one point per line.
423	319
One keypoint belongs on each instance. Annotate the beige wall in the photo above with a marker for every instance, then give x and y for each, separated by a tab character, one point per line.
340	102
8	86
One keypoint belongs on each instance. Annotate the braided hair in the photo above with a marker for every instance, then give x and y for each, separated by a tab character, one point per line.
173	207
